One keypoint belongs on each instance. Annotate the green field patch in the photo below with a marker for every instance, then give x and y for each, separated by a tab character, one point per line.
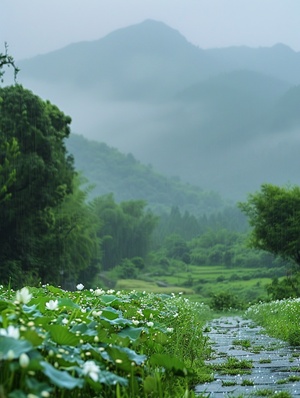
150	287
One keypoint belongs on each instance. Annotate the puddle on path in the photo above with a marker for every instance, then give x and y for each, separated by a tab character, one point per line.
273	360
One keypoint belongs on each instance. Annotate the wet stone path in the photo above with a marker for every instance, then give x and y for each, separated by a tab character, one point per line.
275	365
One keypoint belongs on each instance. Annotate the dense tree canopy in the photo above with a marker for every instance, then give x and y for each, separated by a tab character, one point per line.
37	193
126	229
274	214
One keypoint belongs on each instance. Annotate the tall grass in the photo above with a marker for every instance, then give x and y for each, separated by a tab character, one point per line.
279	318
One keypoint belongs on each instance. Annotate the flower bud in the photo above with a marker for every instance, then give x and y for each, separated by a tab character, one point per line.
24	360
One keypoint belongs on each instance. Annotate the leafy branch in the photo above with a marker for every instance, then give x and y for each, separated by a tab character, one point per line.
7	60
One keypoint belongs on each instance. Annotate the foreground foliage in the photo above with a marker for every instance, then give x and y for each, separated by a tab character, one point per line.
280	318
99	343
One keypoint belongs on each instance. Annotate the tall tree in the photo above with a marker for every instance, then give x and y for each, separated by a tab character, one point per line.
38	175
274	214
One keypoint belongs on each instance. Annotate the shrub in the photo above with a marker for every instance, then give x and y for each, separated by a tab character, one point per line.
225	301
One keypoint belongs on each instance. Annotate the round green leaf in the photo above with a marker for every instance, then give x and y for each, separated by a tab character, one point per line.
17	347
60	378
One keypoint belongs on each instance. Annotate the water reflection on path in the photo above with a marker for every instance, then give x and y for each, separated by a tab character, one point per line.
274	362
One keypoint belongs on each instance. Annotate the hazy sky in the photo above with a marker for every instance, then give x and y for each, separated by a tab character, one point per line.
32	27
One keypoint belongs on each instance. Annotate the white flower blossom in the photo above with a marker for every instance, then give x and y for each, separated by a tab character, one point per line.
91	369
24	360
52	305
80	286
135	322
23	295
11	331
170	330
150	324
64	321
99	292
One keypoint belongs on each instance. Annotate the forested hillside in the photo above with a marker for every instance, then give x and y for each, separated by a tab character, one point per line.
110	171
225	120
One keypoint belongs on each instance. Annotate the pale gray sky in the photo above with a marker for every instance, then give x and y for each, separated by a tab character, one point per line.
32	27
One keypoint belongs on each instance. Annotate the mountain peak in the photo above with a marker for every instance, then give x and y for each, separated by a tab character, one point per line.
149	32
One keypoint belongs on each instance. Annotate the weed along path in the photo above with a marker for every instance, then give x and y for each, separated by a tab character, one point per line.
246	362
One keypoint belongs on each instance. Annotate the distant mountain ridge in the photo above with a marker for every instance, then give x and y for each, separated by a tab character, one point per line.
223	119
278	61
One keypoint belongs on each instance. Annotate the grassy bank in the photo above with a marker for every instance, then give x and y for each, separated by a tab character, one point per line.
279	318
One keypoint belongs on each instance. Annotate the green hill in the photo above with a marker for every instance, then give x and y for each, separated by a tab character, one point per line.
110	171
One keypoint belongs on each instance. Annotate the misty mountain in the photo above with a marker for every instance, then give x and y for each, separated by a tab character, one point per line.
109	171
279	61
222	119
143	61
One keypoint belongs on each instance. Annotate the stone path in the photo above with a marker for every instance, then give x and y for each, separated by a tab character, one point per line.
273	361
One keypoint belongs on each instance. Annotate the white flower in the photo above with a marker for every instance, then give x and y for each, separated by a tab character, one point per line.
23	295
97	313
64	321
170	330
11	331
99	292
24	360
52	305
91	369
135	322
80	286
150	324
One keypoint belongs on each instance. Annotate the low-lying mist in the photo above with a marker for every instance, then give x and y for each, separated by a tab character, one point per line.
213	152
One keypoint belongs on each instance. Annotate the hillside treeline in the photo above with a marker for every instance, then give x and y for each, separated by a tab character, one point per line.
109	170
